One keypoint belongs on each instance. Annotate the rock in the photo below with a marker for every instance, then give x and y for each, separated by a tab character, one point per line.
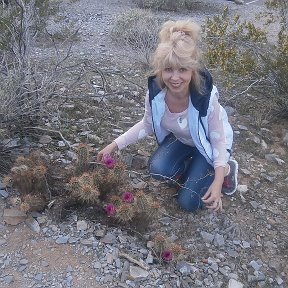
219	240
279	280
2	241
45	139
254	204
242	188
235	284
108	239
33	224
8	279
62	239
38	276
149	259
61	144
23	262
242	127
229	110
3	193
137	272
245	244
245	171
13	216
71	155
285	139
82	225
184	268
255	265
207	237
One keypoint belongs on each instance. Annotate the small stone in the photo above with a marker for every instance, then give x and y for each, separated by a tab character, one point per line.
61	144
100	233
38	276
4	194
184	268
82	225
108	239
254	204
285	139
214	267
137	272
232	253
242	127
45	139
245	171
2	241
242	188
44	263
33	224
62	239
219	240
229	110
207	237
235	284
97	265
255	265
8	279
279	280
245	244
149	259
23	262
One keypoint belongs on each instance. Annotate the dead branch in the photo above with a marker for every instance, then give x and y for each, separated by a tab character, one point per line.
51	131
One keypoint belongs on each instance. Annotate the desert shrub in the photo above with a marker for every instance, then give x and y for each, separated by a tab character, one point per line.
169	5
248	62
138	30
26	86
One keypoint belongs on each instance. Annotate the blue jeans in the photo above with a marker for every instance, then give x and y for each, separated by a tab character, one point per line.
174	160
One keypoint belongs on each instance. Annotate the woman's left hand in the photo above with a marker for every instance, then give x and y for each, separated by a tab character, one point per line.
212	197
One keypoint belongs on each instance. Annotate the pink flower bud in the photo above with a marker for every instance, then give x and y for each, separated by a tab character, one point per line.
128	197
167	255
110	209
109	161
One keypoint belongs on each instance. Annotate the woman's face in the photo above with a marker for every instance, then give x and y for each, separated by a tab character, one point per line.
177	80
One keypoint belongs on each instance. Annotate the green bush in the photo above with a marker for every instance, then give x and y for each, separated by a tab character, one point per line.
137	29
249	64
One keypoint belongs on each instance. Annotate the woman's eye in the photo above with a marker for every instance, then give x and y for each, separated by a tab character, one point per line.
182	70
168	69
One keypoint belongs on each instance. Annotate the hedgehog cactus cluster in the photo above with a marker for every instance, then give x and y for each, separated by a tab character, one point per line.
129	206
84	188
82	158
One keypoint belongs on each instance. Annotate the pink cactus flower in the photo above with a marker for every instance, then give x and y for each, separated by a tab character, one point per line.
128	197
167	255
109	161
110	209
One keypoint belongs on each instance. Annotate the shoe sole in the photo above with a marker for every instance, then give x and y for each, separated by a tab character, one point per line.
236	177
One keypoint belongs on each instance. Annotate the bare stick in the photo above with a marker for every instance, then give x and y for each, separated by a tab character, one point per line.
129	258
52	131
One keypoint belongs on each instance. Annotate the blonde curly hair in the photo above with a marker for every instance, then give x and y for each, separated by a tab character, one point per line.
178	47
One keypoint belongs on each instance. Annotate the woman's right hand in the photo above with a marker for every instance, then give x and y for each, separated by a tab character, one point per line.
108	150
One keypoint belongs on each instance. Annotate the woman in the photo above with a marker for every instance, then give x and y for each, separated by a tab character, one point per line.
190	126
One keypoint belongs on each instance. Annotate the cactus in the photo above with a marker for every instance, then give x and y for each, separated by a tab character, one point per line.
84	188
33	203
142	201
125	212
83	157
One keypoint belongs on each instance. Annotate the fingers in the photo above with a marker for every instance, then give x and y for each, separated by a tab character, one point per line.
99	156
212	202
216	205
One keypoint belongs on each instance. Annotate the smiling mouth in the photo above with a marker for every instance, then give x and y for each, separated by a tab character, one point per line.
175	85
